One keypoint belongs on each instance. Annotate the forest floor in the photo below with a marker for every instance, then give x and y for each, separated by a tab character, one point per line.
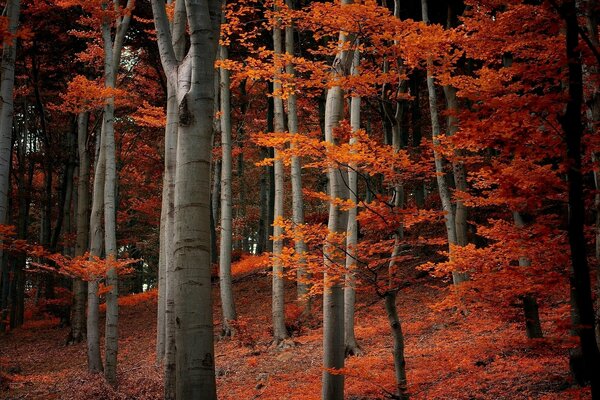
447	356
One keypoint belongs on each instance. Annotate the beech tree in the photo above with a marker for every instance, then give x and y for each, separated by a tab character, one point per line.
193	82
279	330
7	84
228	305
333	295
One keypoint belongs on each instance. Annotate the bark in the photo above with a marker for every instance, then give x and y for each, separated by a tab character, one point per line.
112	60
17	303
7	83
279	329
443	189
195	370
216	190
226	287
167	244
161	301
533	326
245	231
580	274
593	102
460	181
333	296
296	177
168	233
351	344
82	225
261	245
398	339
96	242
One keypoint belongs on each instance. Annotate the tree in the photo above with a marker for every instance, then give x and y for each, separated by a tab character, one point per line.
112	60
333	295
583	309
82	225
227	302
195	376
279	330
7	84
166	308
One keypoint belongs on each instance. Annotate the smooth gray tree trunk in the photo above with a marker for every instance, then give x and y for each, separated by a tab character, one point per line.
443	189
226	286
296	177
533	326
9	54
82	226
178	27
195	368
333	286
112	60
352	347
96	242
278	295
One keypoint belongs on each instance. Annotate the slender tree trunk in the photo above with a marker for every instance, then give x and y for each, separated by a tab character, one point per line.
443	189
245	243
333	292
278	298
9	52
398	338
111	335
162	267
216	190
265	229
580	274
96	242
167	239
352	347
167	243
112	61
7	84
460	181
195	368
227	303
24	198
296	176
261	245
82	226
533	326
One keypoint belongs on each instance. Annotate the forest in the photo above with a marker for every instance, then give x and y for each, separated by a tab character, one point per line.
299	199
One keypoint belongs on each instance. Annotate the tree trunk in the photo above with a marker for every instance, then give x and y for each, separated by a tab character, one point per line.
9	52
296	176
226	287
278	295
162	268
195	368
398	337
167	237
7	85
533	326
333	287
261	245
96	242
460	181
112	61
351	344
82	226
444	192
580	275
